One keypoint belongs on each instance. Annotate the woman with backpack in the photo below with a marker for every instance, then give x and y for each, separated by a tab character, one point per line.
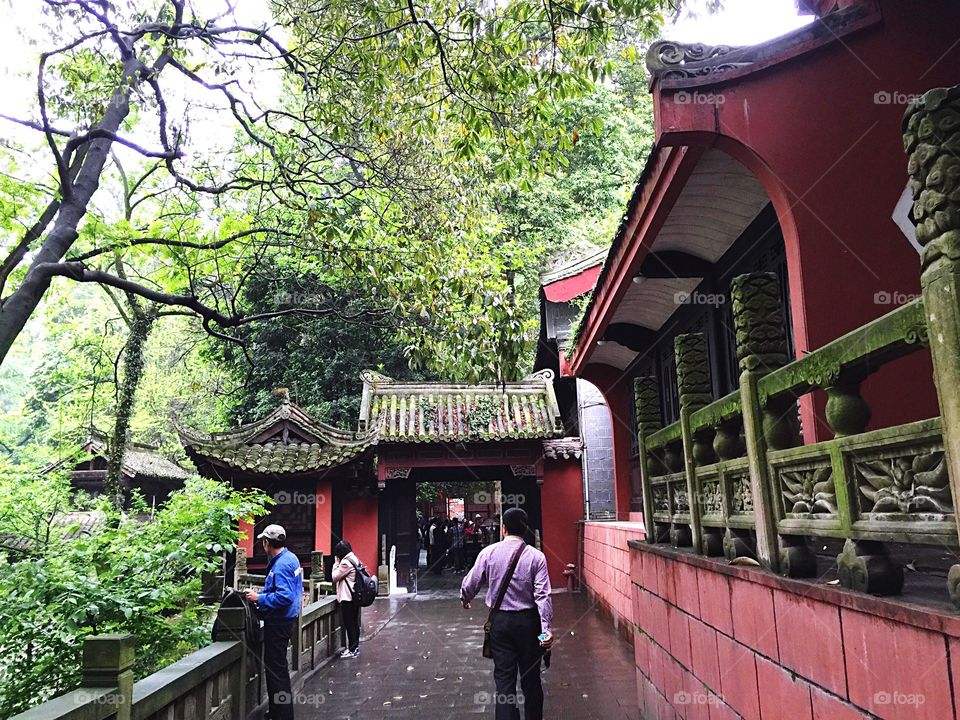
344	579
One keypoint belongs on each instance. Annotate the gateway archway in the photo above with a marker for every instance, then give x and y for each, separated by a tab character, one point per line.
400	521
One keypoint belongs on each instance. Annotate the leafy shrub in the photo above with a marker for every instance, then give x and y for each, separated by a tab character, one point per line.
135	573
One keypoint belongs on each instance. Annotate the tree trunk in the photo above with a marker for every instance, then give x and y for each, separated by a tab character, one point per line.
133	363
17	308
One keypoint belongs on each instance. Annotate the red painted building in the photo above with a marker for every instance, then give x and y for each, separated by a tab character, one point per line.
787	157
783	157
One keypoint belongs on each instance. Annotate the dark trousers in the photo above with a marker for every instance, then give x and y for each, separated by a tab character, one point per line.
459	558
513	639
276	638
350	612
439	559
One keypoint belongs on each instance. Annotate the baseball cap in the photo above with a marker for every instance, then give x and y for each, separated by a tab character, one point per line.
273	532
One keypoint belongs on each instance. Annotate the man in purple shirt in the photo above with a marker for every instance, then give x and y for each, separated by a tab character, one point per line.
526	612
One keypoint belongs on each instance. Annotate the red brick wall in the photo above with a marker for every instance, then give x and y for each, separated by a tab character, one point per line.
606	569
715	641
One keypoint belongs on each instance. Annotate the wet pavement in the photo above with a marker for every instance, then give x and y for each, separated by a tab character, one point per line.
420	658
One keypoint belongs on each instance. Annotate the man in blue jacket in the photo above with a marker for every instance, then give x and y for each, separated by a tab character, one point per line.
278	605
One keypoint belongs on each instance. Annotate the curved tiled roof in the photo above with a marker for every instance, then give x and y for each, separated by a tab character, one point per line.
289	442
279	458
312	444
435	412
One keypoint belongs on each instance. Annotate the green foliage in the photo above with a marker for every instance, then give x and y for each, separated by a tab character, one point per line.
481	413
134	574
467	489
319	358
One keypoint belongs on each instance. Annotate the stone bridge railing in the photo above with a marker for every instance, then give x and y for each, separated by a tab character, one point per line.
222	681
732	477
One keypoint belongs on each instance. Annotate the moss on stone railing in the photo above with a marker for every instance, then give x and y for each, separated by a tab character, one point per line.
896	334
730	477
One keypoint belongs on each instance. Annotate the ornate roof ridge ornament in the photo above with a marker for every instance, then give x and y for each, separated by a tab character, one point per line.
689	64
670	60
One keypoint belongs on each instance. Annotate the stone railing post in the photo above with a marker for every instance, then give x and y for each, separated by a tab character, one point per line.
107	663
762	347
931	138
240	568
695	390
646	403
316	573
211	584
383	570
231	626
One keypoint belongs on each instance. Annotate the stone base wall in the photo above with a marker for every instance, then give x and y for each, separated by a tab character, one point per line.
714	641
606	569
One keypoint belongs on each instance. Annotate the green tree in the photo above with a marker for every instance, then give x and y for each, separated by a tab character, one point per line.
397	100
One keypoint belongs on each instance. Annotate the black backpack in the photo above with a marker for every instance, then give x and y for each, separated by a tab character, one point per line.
365	588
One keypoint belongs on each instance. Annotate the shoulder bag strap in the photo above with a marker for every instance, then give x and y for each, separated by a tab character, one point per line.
506	581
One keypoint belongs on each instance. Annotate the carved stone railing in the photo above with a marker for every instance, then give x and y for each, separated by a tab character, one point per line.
222	681
757	491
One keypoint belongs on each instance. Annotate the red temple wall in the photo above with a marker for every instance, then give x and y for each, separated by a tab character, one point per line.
606	569
721	641
823	134
360	526
246	537
561	497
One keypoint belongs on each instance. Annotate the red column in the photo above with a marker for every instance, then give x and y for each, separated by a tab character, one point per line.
360	525
324	513
246	536
562	502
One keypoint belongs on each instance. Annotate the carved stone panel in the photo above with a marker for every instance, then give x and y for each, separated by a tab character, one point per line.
808	491
712	497
523	470
912	485
661	500
681	502
741	495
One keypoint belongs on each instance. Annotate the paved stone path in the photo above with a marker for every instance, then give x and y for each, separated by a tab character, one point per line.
420	658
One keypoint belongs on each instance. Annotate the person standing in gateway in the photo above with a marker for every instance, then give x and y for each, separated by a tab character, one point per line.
521	627
278	605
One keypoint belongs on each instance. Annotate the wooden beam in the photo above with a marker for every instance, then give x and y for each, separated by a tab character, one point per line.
635	337
675	264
